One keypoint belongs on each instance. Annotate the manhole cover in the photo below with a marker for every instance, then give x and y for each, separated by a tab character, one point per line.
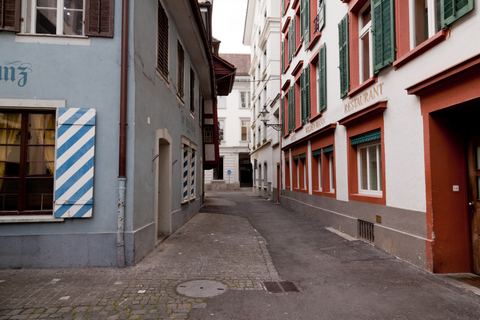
201	288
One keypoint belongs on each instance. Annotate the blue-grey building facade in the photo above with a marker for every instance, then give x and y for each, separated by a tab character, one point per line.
64	198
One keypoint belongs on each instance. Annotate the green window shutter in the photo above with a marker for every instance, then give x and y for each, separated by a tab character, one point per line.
293	37
282	107
307	93
291	109
302	156
295	158
306	31
343	48
317	153
302	18
291	40
283	57
383	29
302	96
283	7
322	77
321	15
452	10
367	137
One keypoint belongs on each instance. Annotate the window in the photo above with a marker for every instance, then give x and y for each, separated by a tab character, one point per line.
188	170
305	94
245	99
291	40
365	42
180	71
369	168
259	183
424	20
61	17
331	170
245	130
162	44
221	102
320	19
344	58
322	79
27	160
287	173
259	136
208	134
192	91
317	165
265	175
221	126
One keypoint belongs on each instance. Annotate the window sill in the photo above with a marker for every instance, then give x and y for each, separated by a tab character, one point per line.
422	48
298	128
29	219
369	198
323	193
298	49
52	39
315	117
363	86
314	40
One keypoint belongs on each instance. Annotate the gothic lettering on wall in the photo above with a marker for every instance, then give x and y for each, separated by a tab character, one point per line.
15	72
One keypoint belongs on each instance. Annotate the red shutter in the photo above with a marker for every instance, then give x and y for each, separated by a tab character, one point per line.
99	18
10	15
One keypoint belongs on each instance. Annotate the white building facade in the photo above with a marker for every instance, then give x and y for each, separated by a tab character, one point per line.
262	34
381	134
234	124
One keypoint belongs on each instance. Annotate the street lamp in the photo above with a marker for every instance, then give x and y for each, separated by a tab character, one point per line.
264	115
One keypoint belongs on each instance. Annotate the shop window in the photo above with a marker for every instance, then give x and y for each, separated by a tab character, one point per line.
317	169
331	168
287	173
162	42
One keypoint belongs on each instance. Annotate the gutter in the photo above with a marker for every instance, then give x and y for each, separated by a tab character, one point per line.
122	156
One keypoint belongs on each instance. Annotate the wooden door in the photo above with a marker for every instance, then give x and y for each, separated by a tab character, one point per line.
474	199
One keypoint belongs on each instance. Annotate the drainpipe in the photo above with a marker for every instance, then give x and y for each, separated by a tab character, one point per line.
122	157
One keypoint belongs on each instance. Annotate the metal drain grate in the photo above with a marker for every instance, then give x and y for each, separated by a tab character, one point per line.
281	286
365	231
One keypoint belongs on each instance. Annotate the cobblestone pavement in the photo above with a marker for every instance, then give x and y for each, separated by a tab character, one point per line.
210	246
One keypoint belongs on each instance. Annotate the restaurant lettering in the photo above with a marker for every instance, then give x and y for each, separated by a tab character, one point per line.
364	98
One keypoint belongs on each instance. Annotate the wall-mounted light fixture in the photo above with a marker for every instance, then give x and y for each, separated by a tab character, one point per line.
264	116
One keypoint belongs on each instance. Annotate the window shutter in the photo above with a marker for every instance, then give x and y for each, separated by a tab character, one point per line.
302	18
10	15
99	16
75	163
192	174
293	37
317	152
307	93
302	96
321	15
344	65
452	10
291	109
185	173
322	77
283	116
367	137
283	56
306	31
283	6
383	33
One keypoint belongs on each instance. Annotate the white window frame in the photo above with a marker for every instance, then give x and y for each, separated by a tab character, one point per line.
190	147
304	162
31	17
221	127
365	31
319	164
432	22
331	169
378	155
245	124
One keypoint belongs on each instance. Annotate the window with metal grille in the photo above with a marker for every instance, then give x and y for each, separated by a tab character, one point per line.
366	231
192	91
180	70
162	45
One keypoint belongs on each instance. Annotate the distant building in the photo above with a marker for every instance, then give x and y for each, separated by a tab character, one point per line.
104	137
234	170
262	34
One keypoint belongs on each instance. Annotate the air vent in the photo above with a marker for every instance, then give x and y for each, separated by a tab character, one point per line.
365	231
281	286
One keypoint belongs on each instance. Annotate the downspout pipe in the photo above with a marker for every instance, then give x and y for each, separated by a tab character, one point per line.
122	157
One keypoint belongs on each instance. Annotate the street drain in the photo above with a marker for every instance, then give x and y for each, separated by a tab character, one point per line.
201	288
281	286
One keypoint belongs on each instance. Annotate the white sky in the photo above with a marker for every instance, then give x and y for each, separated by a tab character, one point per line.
228	23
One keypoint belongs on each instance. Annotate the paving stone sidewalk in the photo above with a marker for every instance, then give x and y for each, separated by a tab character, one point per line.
210	246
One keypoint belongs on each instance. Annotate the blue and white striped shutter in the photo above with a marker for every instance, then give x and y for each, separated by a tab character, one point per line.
192	174
185	173
75	163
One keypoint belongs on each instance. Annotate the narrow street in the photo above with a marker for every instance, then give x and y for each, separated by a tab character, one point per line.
231	248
